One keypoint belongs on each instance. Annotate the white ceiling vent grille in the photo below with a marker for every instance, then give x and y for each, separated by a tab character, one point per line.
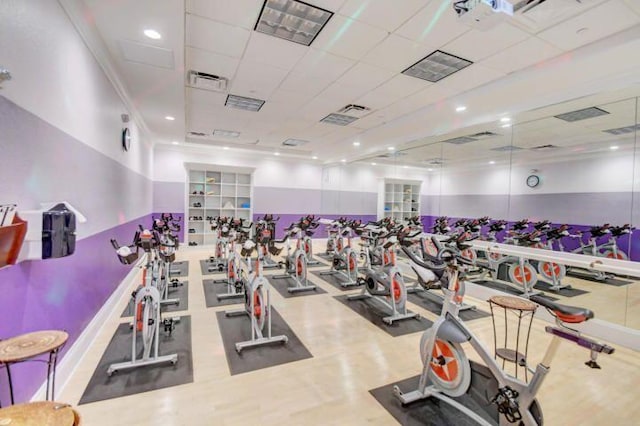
339	119
544	147
294	142
538	14
582	114
506	148
623	130
394	154
483	135
460	140
353	110
202	80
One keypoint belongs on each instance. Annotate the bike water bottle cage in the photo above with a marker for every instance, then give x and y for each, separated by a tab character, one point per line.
564	313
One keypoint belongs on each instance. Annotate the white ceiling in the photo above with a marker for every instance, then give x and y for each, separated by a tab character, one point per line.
358	58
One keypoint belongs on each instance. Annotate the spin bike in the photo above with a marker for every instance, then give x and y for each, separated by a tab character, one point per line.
147	300
385	284
239	232
446	371
222	227
257	300
295	263
308	224
345	260
266	229
551	272
591	248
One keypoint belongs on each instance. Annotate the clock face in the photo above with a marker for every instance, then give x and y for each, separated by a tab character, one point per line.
533	181
126	139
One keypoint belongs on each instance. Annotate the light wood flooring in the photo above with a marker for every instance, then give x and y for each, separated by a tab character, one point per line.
350	357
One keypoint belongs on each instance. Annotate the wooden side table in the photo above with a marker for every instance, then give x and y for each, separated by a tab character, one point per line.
30	345
38	414
522	309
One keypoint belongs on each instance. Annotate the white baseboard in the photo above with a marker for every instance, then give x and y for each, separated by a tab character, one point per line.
74	355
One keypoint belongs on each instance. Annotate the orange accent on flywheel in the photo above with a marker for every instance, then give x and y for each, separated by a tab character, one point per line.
352	263
339	244
231	268
139	316
257	306
612	255
449	371
397	290
518	274
307	248
551	268
300	267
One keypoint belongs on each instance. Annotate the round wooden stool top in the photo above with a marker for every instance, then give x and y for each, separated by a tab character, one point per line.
28	345
510	302
45	413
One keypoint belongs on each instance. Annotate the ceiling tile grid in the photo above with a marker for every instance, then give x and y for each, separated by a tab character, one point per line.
243	13
216	37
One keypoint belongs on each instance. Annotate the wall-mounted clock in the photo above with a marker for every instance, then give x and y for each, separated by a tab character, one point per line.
126	139
533	181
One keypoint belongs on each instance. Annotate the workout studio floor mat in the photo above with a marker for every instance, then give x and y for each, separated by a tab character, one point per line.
238	329
373	311
566	292
180	269
204	268
433	412
180	292
427	301
213	289
282	285
142	379
334	280
508	289
617	282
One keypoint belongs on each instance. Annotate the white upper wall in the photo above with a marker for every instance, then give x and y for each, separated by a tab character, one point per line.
57	78
364	177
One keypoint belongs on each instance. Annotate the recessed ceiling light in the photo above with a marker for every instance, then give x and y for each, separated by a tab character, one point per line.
175	143
504	126
405	167
153	34
225	133
461	108
429	170
170	118
292	20
276	153
247	104
505	119
436	66
339	119
391	148
374	164
492	162
613	148
315	157
343	161
225	147
356	144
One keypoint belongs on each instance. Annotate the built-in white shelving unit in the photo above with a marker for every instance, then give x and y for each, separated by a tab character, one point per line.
212	193
399	199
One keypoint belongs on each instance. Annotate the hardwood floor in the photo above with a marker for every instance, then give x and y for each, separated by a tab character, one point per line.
350	357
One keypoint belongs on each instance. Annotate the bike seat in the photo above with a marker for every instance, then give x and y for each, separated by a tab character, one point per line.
565	313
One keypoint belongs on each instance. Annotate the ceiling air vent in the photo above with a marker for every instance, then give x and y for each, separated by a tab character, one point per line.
507	148
434	161
483	135
544	147
354	110
202	80
394	154
198	134
581	114
339	119
623	130
294	142
538	14
460	141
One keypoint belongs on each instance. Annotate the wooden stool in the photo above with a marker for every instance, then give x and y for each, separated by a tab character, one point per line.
521	308
45	413
30	345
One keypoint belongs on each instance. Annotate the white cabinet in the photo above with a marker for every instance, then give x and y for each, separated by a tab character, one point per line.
214	193
399	199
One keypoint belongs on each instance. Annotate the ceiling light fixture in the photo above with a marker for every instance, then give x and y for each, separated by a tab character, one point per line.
429	170
436	66
170	118
315	157
175	143
247	104
356	144
492	162
461	109
405	167
152	34
391	148
505	119
225	147
374	164
225	133
613	148
343	161
276	153
504	126
292	20
339	119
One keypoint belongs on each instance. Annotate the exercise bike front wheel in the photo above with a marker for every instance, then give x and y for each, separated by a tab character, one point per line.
449	368
398	292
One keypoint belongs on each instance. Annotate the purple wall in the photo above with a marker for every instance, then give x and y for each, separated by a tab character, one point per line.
62	294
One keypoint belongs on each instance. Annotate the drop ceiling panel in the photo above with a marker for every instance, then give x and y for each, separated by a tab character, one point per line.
588	26
529	52
294	99
256	80
391	91
216	37
211	63
317	109
237	12
274	51
397	53
365	76
342	94
330	5
386	15
633	4
316	132
146	54
320	63
476	45
205	98
435	25
297	82
471	77
349	38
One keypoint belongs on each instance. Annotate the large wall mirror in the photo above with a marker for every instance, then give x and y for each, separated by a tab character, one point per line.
575	163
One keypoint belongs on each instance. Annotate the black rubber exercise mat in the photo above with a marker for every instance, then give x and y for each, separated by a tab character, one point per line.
142	379
334	280
180	292
609	281
373	311
213	289
238	329
566	292
429	302
508	289
282	285
208	268
433	412
180	269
